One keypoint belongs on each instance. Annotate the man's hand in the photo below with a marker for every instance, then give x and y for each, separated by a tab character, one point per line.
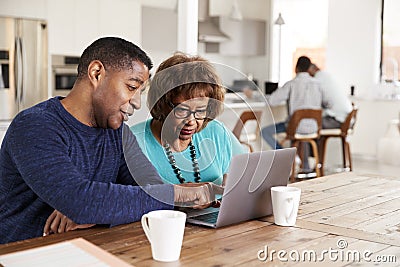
196	195
59	223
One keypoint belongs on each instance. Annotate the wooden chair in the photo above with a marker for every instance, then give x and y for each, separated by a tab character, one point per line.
343	132
297	139
244	138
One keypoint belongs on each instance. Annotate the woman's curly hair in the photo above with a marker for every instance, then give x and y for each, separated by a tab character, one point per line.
187	76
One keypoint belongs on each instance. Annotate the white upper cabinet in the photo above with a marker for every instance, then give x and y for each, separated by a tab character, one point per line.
246	37
74	24
35	9
159	29
253	9
61	21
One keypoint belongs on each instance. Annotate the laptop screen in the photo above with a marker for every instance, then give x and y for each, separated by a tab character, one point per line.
270	87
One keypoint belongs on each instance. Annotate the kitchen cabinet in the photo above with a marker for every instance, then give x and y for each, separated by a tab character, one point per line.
254	9
120	18
61	20
247	37
74	24
34	9
159	35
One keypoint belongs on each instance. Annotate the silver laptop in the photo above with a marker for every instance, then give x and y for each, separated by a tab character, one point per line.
247	192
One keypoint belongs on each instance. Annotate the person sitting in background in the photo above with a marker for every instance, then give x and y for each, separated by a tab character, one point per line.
63	162
183	140
336	114
302	92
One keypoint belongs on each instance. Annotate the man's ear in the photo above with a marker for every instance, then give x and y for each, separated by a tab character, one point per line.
95	71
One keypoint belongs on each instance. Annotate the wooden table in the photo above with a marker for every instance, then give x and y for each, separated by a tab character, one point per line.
356	211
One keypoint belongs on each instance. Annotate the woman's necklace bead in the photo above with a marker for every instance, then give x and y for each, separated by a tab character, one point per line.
175	168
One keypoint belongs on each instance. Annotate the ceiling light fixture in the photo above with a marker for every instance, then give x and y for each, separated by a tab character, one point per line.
279	21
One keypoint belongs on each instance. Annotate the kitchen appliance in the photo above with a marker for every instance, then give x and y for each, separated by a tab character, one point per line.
23	65
209	31
64	73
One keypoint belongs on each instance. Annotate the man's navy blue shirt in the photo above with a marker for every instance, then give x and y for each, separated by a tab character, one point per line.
49	160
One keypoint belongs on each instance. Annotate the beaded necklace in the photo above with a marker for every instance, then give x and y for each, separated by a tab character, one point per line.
176	169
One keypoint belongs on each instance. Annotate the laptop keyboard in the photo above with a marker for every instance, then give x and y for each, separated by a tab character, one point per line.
209	217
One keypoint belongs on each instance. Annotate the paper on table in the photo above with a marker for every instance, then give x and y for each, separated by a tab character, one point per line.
71	253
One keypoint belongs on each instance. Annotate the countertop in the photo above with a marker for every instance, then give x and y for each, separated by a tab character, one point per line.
241	101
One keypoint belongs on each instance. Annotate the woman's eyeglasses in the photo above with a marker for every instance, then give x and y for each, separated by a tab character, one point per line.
183	113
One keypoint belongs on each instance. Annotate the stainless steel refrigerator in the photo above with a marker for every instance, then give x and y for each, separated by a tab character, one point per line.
23	65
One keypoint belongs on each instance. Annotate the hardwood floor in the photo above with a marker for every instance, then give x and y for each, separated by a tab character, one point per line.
360	164
371	166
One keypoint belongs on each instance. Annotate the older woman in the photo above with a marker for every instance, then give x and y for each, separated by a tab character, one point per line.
183	140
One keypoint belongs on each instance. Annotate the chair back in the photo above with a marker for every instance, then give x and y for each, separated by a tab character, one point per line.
300	114
349	121
244	117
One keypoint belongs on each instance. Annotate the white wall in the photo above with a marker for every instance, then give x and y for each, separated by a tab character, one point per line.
306	25
353	55
353	44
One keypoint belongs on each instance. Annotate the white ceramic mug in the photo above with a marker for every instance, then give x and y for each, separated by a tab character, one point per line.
285	204
164	229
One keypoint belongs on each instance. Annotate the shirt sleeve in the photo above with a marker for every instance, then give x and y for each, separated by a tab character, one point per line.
281	95
327	100
135	168
37	148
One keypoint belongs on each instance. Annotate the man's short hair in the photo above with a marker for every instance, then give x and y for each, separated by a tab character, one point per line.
115	53
303	63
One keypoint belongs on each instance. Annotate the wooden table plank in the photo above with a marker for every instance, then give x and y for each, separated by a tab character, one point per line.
367	204
353	253
243	249
337	230
388	224
355	204
387	257
334	197
191	252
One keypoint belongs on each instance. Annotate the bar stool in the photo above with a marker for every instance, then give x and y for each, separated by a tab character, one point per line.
297	139
343	132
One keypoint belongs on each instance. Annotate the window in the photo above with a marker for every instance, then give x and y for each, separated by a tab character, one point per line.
304	33
390	54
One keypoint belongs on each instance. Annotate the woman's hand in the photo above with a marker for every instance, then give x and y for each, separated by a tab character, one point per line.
59	223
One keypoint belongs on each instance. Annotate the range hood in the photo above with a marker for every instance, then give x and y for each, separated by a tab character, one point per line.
209	31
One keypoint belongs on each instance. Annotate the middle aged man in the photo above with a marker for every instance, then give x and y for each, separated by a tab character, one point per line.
67	154
302	92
